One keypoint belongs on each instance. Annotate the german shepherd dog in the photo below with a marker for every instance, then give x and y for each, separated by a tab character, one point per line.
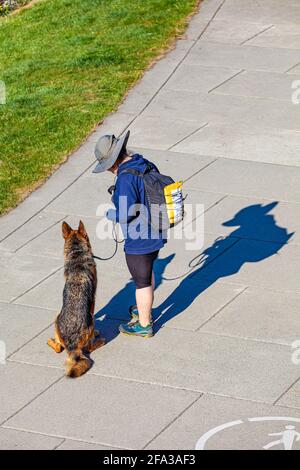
74	326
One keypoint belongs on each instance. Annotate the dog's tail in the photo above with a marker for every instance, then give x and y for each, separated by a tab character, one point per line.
77	364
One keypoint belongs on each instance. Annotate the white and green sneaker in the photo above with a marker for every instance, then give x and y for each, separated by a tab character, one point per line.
136	329
134	313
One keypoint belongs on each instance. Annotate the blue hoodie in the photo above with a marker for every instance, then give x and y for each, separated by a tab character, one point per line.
140	237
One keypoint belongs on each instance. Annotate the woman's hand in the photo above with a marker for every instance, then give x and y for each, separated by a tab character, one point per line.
111	214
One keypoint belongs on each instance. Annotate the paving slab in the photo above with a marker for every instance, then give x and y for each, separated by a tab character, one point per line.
183	166
51	242
256	263
294	70
210	412
204	301
19	324
209	8
48	294
258	219
186	253
273	11
69	444
156	132
260	315
285	36
20	273
114	123
108	424
246	57
230	32
22	383
199	78
19	440
226	328
250	179
38	353
36	226
292	397
187	305
208	363
196	28
270	146
83	197
268	85
239	112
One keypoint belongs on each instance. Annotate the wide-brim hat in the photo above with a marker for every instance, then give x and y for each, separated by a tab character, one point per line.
107	150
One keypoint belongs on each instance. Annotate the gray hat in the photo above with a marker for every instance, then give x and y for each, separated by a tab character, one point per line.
107	150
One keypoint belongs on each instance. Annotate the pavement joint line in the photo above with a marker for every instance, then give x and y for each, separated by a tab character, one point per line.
172	421
206	210
58	445
286	391
199	171
39	234
218	256
257	34
48	256
222	157
259	98
173	387
36	364
33	306
259	402
237	195
226	81
289	407
174	70
222	308
29	341
49	202
35	285
187	136
291	68
217	395
244	338
31	401
252	286
68	438
5	428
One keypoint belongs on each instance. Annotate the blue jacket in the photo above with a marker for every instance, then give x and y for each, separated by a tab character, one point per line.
132	210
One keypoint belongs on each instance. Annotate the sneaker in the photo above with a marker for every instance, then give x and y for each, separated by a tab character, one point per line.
134	313
136	329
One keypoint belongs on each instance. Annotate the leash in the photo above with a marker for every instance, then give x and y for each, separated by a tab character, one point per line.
117	242
201	257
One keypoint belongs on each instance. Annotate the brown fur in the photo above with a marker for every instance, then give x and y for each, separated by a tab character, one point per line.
74	326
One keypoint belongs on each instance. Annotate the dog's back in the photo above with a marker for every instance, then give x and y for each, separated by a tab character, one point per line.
75	324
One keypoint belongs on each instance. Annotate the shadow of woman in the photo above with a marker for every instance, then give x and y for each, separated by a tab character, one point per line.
109	318
254	224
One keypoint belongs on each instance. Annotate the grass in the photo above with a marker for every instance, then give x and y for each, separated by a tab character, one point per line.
66	64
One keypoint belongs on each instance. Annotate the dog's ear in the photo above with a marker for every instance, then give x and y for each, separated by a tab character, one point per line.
66	230
81	230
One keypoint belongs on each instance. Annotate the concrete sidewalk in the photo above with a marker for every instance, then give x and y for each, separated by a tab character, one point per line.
217	111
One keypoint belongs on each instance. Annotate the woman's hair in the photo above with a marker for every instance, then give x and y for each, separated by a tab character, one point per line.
123	154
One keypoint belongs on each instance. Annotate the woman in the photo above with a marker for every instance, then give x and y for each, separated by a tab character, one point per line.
142	242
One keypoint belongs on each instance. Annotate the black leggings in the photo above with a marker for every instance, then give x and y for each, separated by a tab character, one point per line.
140	268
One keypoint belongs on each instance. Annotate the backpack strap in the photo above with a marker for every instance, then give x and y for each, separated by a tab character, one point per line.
132	171
135	172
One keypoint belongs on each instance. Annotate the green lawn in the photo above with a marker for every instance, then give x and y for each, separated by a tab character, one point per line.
66	64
